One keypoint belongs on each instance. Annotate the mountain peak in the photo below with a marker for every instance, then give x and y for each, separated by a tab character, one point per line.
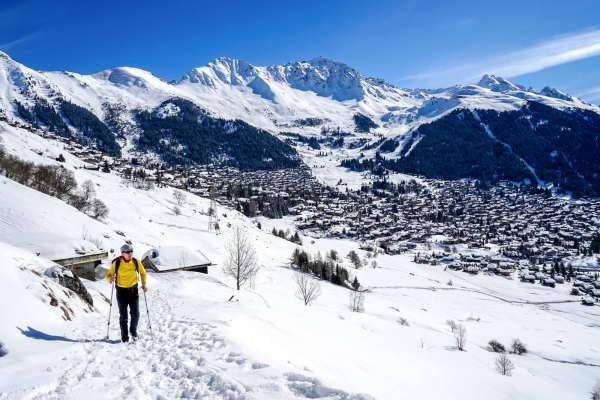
320	60
555	93
229	62
487	81
498	84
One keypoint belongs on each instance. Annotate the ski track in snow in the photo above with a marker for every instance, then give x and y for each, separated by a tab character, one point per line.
181	361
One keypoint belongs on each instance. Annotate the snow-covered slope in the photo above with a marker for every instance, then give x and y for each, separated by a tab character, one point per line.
264	343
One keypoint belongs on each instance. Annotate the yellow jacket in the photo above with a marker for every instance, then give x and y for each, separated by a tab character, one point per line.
126	277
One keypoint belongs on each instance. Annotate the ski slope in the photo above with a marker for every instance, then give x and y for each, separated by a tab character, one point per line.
264	343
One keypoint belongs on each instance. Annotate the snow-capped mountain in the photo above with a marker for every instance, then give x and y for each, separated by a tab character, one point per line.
271	97
310	98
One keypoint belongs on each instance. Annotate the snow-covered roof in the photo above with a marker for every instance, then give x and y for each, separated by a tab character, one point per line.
49	245
175	257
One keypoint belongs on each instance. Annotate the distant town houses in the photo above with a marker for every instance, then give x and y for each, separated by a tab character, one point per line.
520	222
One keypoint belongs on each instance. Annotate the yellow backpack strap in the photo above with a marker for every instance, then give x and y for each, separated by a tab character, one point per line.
117	264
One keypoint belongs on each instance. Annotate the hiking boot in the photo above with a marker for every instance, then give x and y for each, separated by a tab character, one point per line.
135	337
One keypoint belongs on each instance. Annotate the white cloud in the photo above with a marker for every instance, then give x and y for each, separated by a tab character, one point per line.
590	94
27	38
556	51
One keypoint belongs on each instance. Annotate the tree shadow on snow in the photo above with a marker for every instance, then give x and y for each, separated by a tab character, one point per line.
35	334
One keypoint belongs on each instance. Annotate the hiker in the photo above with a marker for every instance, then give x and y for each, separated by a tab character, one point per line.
123	271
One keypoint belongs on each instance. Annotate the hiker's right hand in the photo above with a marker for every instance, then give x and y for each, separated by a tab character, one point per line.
113	278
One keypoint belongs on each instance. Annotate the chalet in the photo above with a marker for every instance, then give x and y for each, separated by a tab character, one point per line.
366	246
588	301
528	278
541	276
584	278
457	266
549	282
175	258
91	167
472	270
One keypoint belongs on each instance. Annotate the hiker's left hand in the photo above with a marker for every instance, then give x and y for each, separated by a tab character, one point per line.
144	288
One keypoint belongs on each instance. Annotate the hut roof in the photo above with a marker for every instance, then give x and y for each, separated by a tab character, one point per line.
175	257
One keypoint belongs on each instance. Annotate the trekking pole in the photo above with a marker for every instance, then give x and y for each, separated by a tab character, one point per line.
110	310
148	313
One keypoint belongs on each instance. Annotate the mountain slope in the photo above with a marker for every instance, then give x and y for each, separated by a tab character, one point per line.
269	345
318	98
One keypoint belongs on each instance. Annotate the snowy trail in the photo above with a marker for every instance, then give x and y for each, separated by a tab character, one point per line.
186	359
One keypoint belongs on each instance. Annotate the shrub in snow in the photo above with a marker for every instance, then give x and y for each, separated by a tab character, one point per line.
518	347
497	346
176	210
3	350
596	391
504	365
403	321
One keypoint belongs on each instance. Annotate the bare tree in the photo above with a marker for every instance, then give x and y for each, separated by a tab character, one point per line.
504	365
357	301
596	391
309	289
452	324
242	262
88	193
179	196
354	259
460	337
99	209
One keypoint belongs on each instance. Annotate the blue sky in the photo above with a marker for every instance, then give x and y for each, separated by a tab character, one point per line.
426	44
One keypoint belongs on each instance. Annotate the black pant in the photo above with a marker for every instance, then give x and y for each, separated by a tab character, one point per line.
128	298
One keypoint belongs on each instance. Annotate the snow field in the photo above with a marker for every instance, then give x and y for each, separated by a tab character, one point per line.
268	345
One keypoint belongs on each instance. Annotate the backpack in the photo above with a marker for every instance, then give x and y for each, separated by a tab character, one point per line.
118	263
